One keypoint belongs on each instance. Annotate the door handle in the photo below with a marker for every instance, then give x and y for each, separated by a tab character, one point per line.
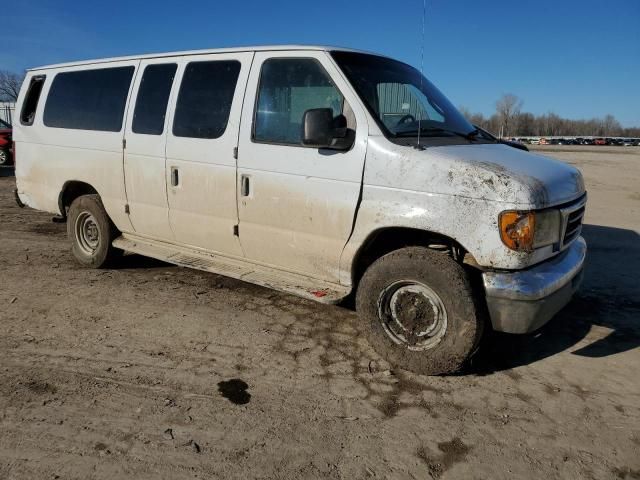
175	177
245	185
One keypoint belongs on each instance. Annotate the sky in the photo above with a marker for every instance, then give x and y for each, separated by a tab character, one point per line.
576	58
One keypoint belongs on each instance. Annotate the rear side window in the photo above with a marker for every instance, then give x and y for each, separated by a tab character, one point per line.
89	99
153	96
30	104
289	87
205	97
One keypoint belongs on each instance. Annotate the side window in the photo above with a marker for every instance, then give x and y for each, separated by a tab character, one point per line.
30	103
288	87
89	99
397	101
153	96
205	97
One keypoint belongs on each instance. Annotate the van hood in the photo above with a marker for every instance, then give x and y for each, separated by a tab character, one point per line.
493	172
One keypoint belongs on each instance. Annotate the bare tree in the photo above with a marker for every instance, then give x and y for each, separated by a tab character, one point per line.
474	118
526	124
478	119
508	109
10	85
611	126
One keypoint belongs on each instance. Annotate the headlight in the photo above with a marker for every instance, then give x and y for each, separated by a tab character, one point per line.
547	230
525	231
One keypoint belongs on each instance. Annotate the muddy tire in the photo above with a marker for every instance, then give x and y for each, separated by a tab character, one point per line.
421	311
91	232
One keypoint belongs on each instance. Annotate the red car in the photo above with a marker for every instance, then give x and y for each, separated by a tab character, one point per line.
5	144
600	141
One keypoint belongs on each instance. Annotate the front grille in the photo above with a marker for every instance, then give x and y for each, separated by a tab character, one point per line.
572	216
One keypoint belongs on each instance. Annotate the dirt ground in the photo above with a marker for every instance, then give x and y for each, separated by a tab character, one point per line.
153	371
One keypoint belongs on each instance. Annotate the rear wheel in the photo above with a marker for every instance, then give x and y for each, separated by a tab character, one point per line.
91	232
421	311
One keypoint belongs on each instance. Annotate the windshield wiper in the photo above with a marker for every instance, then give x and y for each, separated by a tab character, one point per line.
435	131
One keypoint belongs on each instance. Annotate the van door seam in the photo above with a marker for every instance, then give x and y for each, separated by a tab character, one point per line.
237	151
124	139
358	202
172	105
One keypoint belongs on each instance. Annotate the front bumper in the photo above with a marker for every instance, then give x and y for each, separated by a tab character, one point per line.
523	301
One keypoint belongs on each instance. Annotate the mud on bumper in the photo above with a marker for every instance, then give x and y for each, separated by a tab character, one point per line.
523	301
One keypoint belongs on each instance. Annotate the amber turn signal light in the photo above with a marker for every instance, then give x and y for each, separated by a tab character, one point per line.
517	229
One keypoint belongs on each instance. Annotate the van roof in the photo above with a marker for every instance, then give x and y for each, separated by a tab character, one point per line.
260	48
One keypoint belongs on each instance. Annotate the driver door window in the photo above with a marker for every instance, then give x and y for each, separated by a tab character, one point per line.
288	87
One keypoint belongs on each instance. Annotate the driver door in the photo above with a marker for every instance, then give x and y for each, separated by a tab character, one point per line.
297	204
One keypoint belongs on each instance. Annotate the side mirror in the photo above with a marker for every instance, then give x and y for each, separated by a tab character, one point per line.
321	130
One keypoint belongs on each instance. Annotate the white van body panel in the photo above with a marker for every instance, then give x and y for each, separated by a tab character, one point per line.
494	172
303	201
50	157
205	51
202	207
144	168
458	192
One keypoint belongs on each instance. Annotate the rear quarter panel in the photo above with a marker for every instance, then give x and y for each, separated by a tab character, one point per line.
49	157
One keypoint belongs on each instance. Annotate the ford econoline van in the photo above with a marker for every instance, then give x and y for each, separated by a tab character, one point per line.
321	172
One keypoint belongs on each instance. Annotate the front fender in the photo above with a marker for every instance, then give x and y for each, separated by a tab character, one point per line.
473	223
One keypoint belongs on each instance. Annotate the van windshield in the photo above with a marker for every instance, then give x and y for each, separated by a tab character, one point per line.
401	99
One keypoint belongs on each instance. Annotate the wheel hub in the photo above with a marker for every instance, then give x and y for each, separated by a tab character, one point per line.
412	314
87	232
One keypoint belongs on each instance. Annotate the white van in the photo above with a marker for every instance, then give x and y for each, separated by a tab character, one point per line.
317	171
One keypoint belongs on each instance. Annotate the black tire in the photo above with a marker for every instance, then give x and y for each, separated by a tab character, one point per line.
411	268
93	247
5	158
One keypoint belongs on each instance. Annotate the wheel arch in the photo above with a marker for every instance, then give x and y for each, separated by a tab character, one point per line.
71	190
387	239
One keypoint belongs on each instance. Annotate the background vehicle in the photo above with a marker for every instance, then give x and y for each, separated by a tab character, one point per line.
5	143
512	143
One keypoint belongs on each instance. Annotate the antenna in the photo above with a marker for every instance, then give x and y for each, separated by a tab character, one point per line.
424	15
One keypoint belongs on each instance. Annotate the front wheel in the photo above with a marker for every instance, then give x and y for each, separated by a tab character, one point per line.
91	232
421	311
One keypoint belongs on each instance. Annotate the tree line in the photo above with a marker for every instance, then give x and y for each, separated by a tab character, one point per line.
510	121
